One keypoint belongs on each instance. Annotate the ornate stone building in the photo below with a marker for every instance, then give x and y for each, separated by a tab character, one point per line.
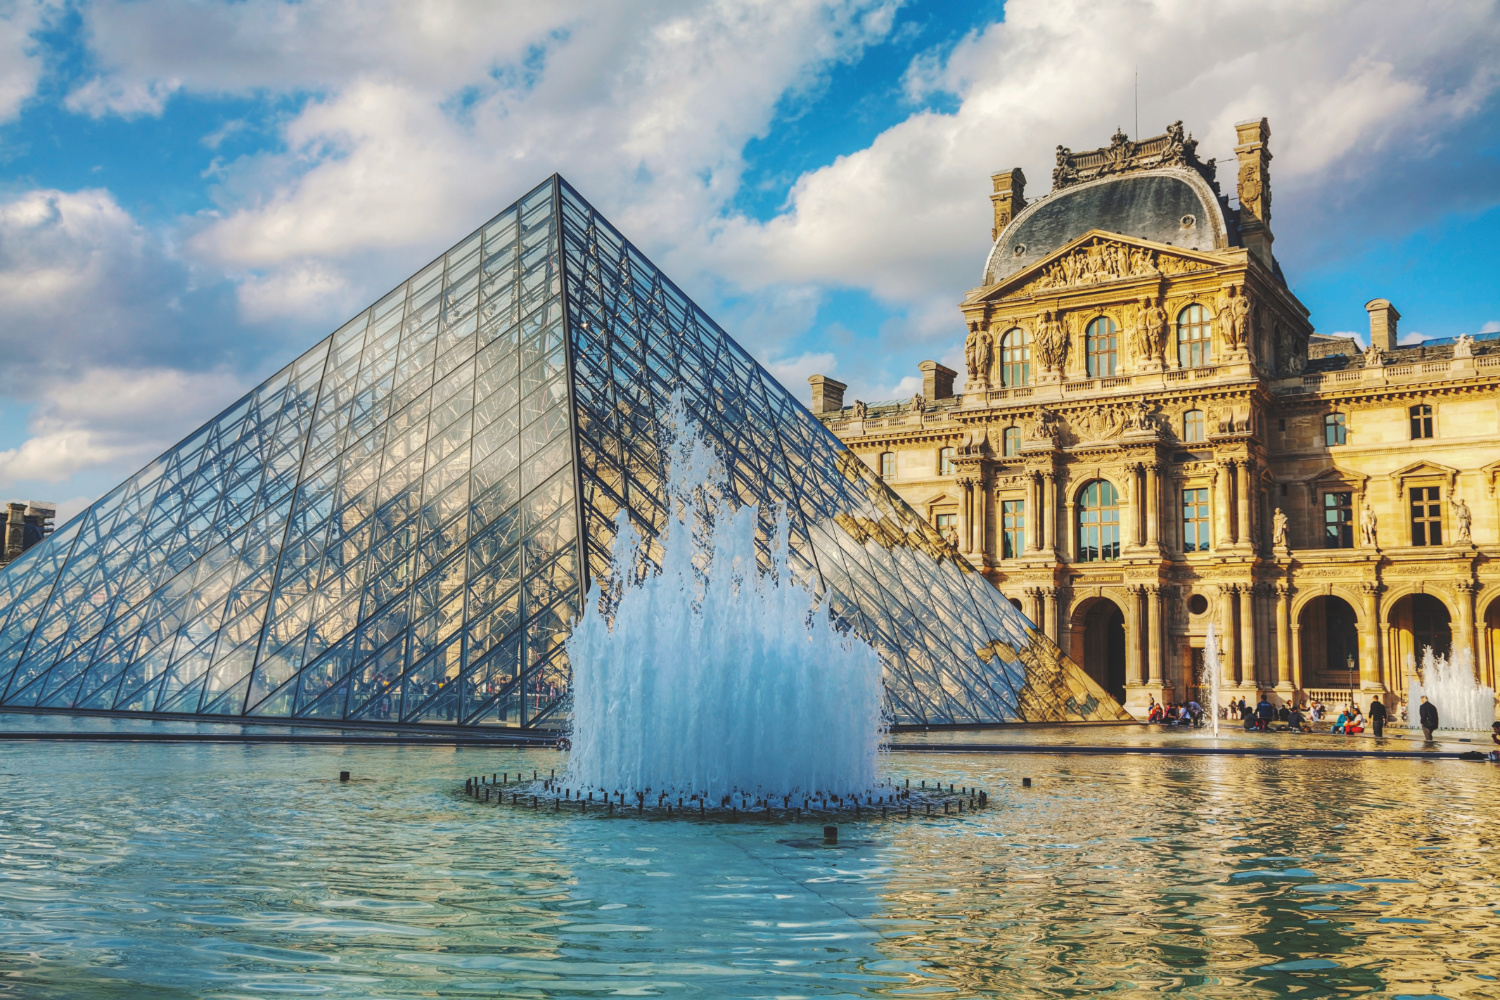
1151	439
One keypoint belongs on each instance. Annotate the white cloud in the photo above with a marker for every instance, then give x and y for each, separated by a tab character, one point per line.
793	372
103	96
113	419
20	56
1493	326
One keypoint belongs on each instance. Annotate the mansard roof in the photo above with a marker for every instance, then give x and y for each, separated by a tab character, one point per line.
1042	265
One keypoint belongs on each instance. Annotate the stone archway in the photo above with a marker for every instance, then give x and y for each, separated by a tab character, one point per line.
1417	621
1329	631
1099	643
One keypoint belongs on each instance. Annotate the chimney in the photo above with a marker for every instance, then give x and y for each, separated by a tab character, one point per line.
937	381
1009	198
1383	319
827	394
1254	187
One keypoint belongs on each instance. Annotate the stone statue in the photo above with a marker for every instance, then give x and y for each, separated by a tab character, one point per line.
1234	318
1139	416
1464	519
952	536
1150	328
918	403
984	358
1463	347
1278	529
971	355
1052	342
1367	524
860	409
1046	425
1373	357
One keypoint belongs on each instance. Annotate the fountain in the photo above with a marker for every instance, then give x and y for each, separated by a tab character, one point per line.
1450	684
1211	666
716	675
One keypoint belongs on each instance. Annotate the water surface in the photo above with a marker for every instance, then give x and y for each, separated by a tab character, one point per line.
228	871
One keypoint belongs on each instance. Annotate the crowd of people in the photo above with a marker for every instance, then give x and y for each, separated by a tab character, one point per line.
1306	716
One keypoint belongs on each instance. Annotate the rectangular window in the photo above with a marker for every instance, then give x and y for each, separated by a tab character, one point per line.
1192	425
1195	520
1426	515
1338	520
887	465
1012	441
1334	429
946	523
1013	528
945	462
1421	421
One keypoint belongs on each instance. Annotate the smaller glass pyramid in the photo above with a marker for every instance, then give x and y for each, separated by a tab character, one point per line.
399	526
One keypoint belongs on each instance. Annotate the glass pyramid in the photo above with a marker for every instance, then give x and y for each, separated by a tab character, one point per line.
399	526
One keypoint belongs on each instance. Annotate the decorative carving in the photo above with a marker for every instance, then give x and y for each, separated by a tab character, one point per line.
1045	426
974	441
1174	148
1052	342
1464	519
1100	260
1150	330
1278	529
1099	422
1372	357
1291	354
1232	418
1234	316
918	403
861	408
1367	524
1140	416
1463	347
979	355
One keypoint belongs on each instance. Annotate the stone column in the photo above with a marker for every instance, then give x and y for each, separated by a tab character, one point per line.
1046	516
1153	635
1388	654
1297	657
1034	510
1464	638
1067	532
1153	503
1133	673
1223	505
1052	628
1248	672
1246	492
965	501
1228	644
1134	507
1284	639
1034	609
1369	653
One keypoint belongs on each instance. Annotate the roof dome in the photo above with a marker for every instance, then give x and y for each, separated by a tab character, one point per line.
1171	205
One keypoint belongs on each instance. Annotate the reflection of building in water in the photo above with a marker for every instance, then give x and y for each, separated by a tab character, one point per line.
26	523
1151	437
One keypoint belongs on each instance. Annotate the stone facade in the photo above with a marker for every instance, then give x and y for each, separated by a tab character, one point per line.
25	524
1151	439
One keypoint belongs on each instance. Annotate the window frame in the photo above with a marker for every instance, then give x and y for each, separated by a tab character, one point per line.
1428	495
945	461
1101	340
1201	422
887	465
945	519
1196	350
1012	528
1338	530
1421	420
1015	357
1010	442
1335	429
1197	518
1099	523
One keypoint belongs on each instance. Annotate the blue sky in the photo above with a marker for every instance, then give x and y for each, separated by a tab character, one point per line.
192	192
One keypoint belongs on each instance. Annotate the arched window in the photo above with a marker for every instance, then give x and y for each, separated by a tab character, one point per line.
887	465
1195	345
1334	429
1012	439
1098	522
1101	347
1421	421
945	461
1192	425
1015	358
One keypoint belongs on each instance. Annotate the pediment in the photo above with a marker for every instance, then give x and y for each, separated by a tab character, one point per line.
1097	258
1423	470
937	499
1339	477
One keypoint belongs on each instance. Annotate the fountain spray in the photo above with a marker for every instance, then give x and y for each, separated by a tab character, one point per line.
1211	666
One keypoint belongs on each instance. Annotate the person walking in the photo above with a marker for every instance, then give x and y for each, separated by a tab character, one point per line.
1377	717
1427	715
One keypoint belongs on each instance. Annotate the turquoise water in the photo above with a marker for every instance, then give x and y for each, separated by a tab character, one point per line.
146	870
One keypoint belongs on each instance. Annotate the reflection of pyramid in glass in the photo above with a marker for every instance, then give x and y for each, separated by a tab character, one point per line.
388	529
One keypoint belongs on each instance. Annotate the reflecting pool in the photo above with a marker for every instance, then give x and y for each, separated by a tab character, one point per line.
250	871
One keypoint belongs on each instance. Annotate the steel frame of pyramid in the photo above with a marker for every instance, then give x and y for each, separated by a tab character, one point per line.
398	527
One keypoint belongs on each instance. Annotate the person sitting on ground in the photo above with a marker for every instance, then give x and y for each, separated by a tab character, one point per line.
1377	717
1263	712
1340	723
1427	716
1495	731
1195	714
1153	715
1294	721
1356	723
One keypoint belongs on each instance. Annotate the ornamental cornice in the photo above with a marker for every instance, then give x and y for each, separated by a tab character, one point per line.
1365	394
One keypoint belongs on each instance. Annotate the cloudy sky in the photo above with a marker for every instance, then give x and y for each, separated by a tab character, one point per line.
192	192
